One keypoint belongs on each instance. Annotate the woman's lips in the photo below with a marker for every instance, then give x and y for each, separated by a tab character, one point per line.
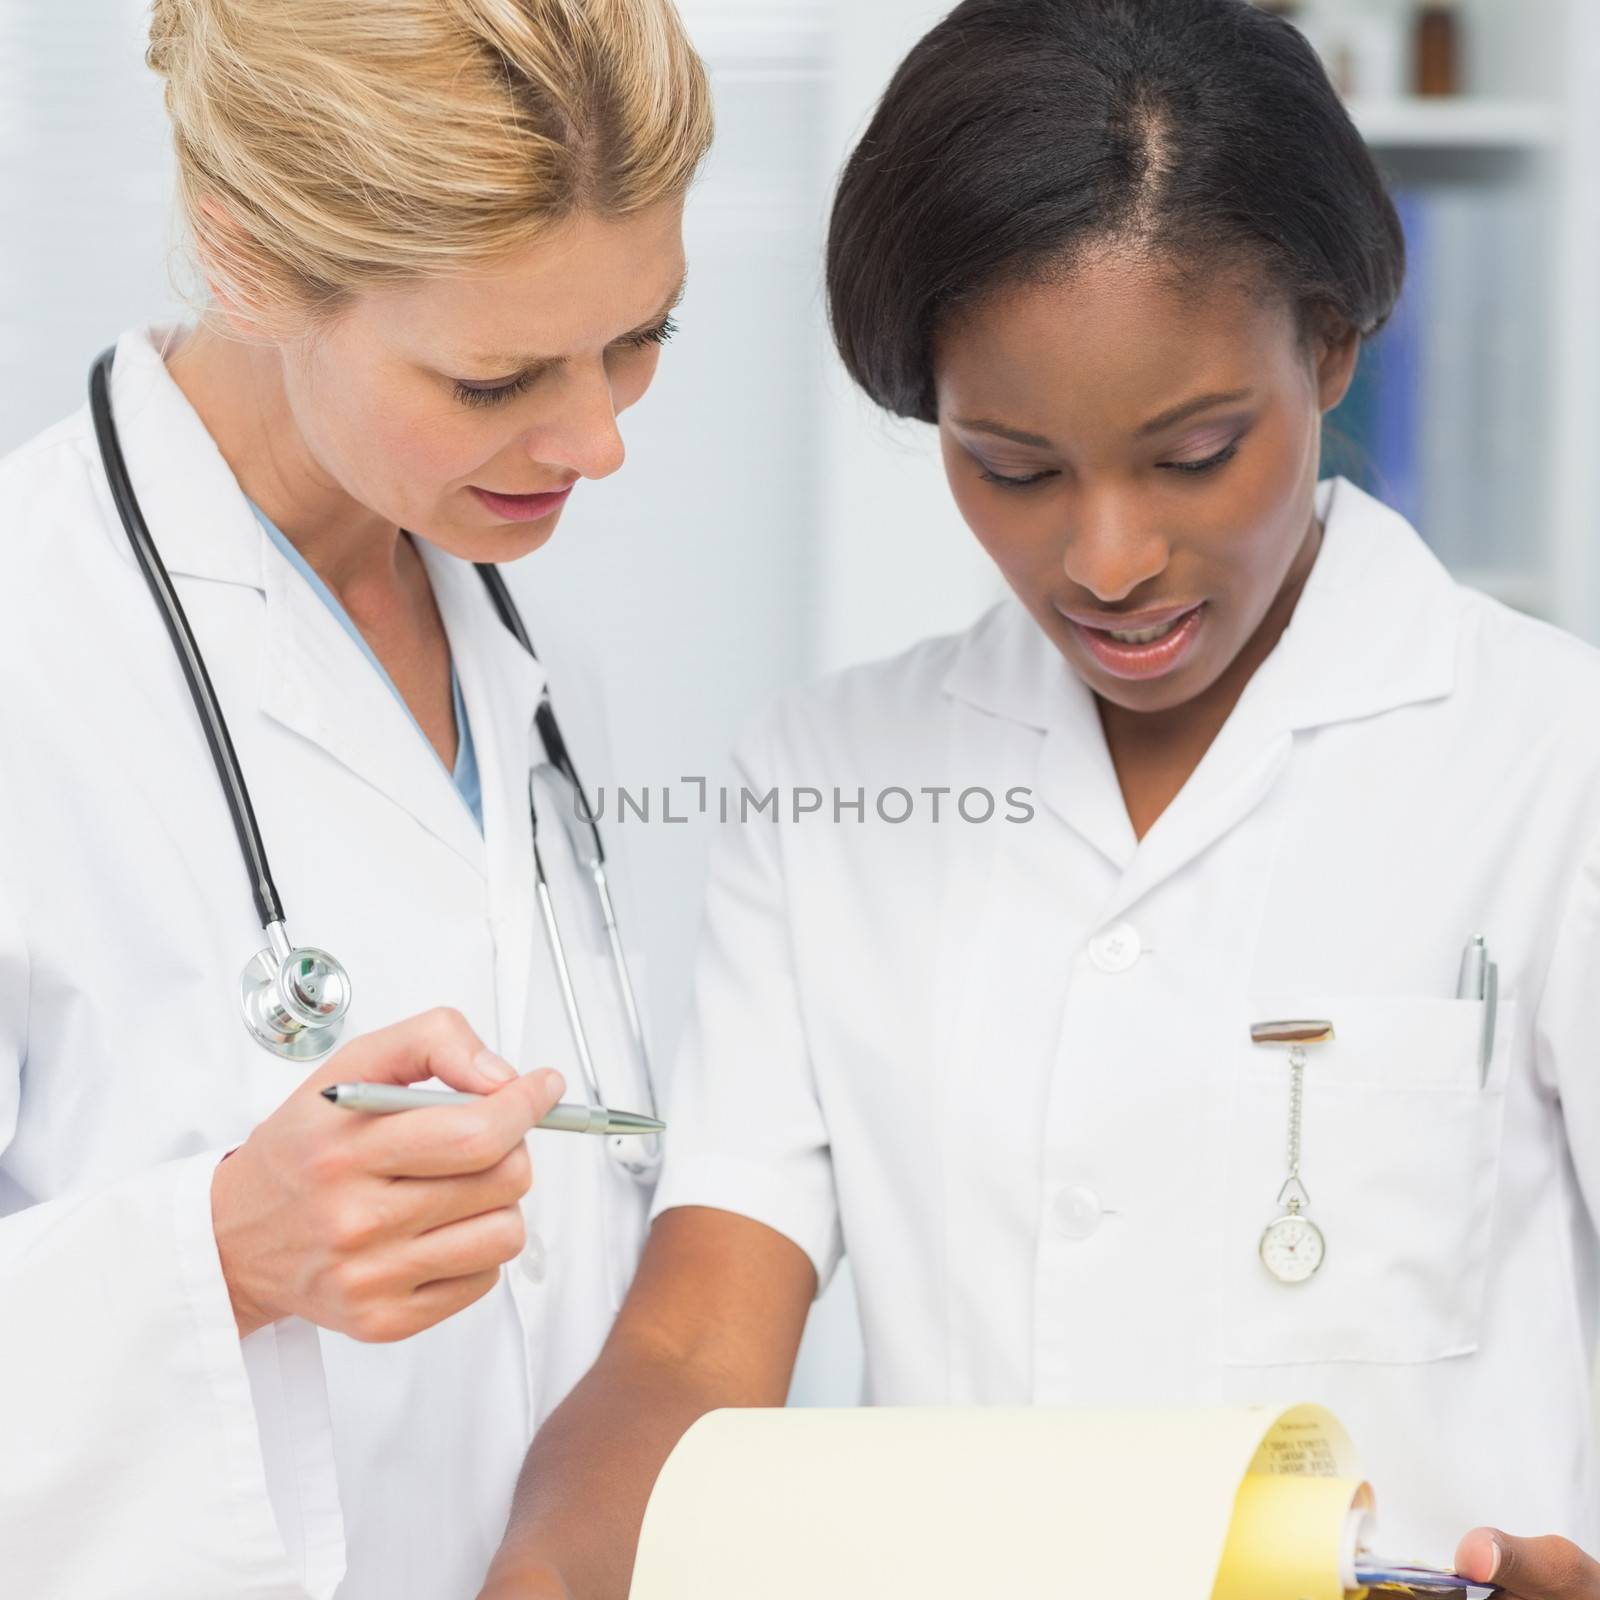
522	507
1181	628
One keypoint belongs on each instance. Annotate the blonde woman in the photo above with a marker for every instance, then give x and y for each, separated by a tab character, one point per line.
254	1344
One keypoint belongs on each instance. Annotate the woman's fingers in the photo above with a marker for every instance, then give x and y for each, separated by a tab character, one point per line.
463	1249
425	1306
446	1141
436	1044
432	1202
431	1277
1528	1569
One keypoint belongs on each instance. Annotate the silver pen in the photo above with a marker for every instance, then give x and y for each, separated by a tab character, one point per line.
1480	980
383	1098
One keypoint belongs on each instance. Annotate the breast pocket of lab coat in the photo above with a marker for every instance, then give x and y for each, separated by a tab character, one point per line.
1400	1155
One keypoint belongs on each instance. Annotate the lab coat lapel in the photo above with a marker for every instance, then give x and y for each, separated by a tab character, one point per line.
1237	773
317	682
1375	629
1078	782
501	685
1010	670
1076	778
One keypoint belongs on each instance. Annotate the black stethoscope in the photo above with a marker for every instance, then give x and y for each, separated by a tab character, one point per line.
295	998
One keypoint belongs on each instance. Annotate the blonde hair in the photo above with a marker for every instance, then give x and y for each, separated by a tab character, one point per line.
330	146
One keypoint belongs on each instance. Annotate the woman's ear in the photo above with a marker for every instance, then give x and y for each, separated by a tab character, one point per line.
218	242
1338	349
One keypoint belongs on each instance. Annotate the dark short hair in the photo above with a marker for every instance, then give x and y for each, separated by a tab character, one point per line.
1018	132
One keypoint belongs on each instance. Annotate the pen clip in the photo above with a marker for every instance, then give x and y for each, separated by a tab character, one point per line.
1474	969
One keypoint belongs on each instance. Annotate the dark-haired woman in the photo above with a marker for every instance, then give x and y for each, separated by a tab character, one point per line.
1239	750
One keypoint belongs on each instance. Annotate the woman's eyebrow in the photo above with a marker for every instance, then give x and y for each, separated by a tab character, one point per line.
673	301
1168	419
1001	431
1190	408
501	362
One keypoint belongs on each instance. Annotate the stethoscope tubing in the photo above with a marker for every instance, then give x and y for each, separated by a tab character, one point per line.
569	992
550	735
263	888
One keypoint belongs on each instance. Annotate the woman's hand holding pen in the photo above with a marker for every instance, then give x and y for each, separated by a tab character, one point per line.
379	1227
1528	1569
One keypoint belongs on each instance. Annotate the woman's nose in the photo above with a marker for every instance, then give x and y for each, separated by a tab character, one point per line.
1112	551
586	438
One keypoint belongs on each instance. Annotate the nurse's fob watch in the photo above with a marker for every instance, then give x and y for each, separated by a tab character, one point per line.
1292	1246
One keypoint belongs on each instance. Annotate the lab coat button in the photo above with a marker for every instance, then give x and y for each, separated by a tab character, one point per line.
1078	1212
1117	949
533	1259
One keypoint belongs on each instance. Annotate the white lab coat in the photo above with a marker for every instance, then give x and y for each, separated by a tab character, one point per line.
143	1450
1008	1064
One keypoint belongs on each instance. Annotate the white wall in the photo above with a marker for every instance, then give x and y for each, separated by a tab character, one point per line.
1576	490
84	211
896	561
692	567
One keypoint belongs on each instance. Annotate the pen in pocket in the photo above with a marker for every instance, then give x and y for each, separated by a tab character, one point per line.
1480	980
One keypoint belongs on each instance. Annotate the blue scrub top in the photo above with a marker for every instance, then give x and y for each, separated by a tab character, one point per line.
465	776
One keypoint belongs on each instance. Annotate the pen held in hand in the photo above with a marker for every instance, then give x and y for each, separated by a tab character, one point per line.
1390	1578
384	1098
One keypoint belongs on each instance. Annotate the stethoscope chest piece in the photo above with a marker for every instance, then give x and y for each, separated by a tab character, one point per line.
294	1001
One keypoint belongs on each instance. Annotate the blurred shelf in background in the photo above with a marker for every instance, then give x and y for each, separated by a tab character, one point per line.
1477	411
1466	123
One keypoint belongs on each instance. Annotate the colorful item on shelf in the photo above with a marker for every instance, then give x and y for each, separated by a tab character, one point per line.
1438	48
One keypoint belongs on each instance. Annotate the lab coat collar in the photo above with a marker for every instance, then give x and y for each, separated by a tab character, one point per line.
198	516
1375	629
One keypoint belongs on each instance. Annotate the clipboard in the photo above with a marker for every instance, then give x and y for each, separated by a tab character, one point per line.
1242	1504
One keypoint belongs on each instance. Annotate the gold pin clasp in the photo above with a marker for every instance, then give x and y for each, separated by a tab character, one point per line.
1291	1033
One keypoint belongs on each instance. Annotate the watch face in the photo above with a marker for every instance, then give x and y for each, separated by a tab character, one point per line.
1292	1249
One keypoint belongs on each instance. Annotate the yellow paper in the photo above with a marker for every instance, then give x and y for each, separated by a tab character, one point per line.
1287	1533
952	1504
1285	1539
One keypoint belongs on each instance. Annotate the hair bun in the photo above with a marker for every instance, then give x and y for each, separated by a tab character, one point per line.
172	23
